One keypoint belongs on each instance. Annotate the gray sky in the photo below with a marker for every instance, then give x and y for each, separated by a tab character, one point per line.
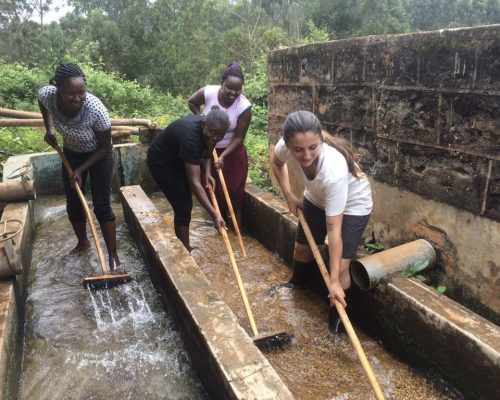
57	10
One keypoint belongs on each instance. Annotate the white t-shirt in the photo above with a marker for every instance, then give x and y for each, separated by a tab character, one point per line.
334	189
240	105
79	133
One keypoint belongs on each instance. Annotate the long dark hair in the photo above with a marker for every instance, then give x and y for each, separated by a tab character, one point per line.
66	71
305	121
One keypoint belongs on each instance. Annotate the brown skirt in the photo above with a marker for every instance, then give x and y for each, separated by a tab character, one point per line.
235	173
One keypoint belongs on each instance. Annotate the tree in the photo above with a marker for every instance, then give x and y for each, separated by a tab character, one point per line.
381	17
439	14
18	31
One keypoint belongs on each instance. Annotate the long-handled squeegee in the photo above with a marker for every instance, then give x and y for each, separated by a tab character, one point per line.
264	341
107	279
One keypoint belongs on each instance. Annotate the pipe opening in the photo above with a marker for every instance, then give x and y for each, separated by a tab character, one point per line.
359	275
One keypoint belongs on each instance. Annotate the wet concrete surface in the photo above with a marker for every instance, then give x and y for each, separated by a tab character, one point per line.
318	364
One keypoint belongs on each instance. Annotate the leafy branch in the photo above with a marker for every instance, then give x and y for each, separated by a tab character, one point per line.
412	271
373	247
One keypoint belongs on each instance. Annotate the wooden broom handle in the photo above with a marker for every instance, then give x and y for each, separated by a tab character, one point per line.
86	209
340	308
229	204
235	267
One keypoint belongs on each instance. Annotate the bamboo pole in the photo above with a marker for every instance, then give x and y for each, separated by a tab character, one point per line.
340	308
124	128
7	112
37	122
134	122
121	133
16	191
236	271
229	205
21	123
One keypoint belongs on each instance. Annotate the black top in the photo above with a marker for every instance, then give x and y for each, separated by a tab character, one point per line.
179	142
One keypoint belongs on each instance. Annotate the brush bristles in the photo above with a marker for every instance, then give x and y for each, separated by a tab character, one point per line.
273	340
106	281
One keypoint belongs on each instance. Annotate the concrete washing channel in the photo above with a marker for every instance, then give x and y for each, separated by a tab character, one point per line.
410	318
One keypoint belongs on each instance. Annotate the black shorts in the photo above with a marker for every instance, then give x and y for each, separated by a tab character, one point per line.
353	227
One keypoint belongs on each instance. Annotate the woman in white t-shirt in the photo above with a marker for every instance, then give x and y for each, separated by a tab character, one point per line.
231	150
85	126
337	200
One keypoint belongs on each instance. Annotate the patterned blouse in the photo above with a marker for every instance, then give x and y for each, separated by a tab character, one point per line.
79	133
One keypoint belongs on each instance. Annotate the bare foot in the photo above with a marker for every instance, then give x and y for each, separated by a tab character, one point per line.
119	269
81	246
114	262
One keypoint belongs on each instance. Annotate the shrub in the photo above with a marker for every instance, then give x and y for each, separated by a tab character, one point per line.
19	86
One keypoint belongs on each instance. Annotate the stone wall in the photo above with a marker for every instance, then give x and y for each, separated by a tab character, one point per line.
423	110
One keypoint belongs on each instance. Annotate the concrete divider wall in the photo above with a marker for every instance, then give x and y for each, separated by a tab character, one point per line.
423	110
10	330
267	218
229	365
13	292
129	167
436	333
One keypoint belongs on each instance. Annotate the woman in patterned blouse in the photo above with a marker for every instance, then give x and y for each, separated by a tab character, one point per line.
85	126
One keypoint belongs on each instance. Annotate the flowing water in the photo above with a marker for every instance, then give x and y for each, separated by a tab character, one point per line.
121	344
318	365
109	344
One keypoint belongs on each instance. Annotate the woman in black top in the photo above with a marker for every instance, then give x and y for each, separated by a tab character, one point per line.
175	158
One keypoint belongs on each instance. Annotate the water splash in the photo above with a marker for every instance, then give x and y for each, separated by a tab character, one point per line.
113	343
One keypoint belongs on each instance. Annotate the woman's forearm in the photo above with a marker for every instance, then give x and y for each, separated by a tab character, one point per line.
335	246
233	145
202	198
281	174
195	109
240	132
207	166
196	100
47	121
94	158
335	253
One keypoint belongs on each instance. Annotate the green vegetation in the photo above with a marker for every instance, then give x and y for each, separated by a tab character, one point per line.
21	141
412	271
179	46
144	58
19	85
372	247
